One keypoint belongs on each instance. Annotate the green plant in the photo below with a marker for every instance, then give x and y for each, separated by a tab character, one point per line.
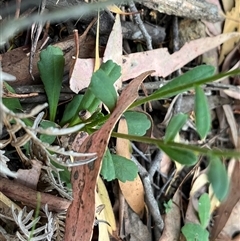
101	90
168	205
193	231
51	66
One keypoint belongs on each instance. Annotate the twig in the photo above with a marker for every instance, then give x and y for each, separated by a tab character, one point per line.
141	26
165	185
150	200
155	164
139	152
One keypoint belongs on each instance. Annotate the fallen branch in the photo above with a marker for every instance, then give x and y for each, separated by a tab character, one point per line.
21	193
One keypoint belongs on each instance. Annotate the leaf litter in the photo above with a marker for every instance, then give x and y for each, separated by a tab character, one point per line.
163	64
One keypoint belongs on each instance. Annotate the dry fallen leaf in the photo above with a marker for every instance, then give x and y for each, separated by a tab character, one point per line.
100	215
81	213
108	210
172	221
30	177
158	59
233	93
132	191
113	49
134	227
231	24
227	5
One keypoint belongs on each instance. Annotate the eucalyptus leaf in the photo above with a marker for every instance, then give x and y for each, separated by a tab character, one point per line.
174	126
125	169
51	67
218	177
202	112
204	206
184	157
138	123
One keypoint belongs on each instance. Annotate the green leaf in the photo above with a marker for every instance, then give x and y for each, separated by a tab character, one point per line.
11	103
102	83
204	210
51	67
71	110
174	126
47	138
112	70
168	206
218	177
89	102
108	169
179	146
197	76
125	169
138	123
202	112
195	232
184	157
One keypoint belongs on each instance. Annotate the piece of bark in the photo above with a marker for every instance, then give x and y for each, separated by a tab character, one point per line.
193	9
29	197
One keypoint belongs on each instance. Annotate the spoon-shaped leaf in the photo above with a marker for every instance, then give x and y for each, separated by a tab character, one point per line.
51	67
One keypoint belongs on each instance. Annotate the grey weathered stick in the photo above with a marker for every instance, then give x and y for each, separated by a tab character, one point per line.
141	26
150	200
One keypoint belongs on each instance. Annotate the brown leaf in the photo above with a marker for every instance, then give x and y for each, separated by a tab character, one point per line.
158	59
30	177
133	191
113	49
172	221
81	213
231	24
233	93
